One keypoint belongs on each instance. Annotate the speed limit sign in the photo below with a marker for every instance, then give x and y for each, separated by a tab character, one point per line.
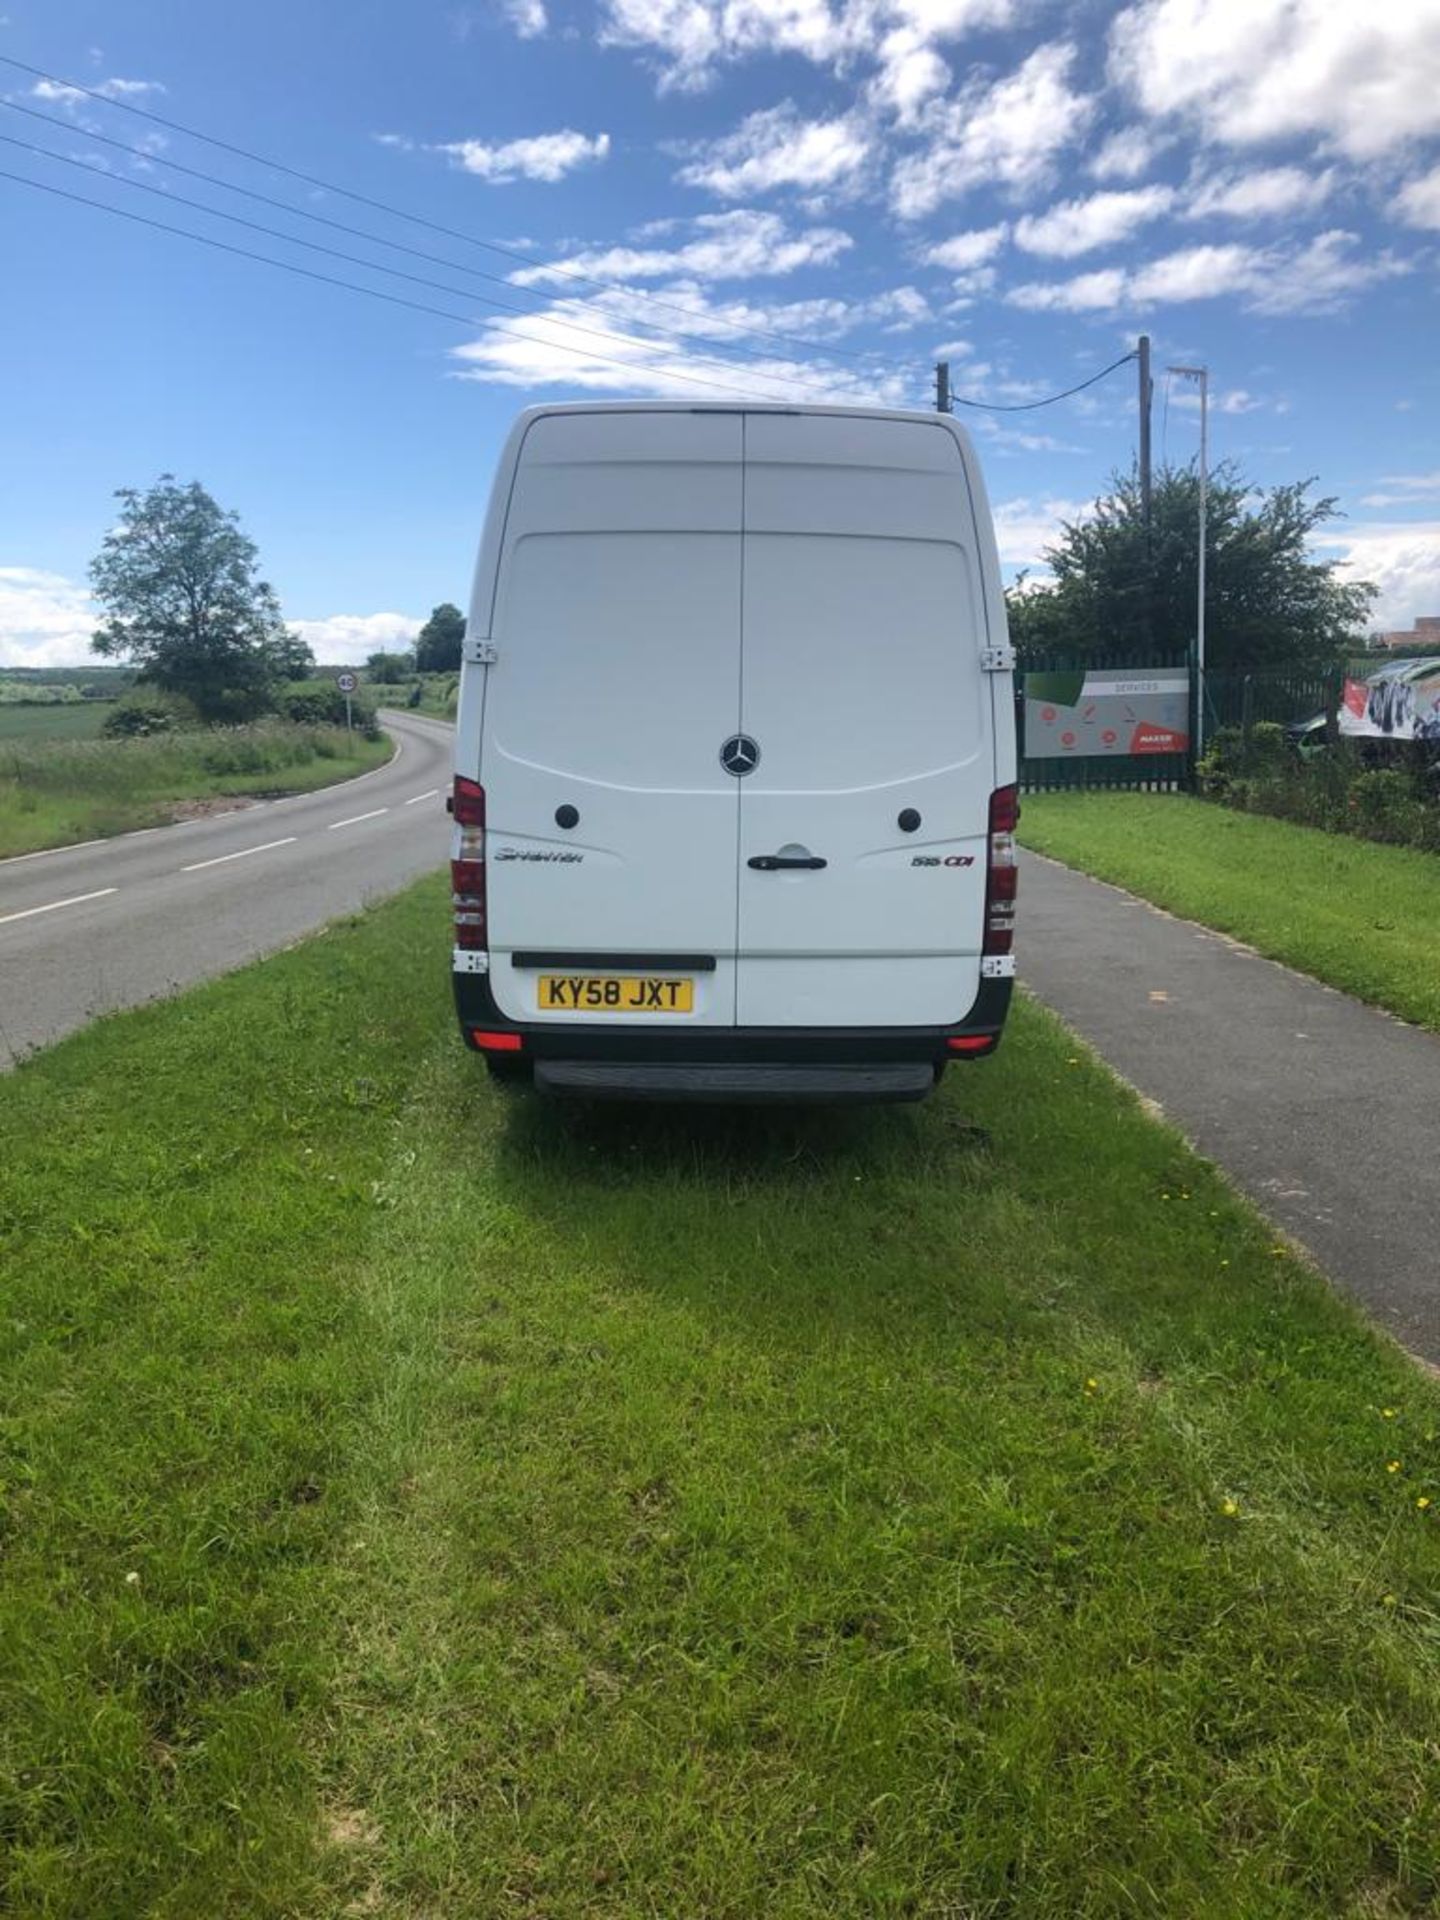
346	682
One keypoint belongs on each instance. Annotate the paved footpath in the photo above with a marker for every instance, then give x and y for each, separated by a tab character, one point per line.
1326	1112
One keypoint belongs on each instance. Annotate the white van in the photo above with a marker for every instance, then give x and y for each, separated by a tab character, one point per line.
735	756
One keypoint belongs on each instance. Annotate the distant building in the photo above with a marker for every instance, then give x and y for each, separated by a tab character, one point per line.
1424	633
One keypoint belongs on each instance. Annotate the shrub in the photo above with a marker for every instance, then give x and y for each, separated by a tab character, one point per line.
1340	790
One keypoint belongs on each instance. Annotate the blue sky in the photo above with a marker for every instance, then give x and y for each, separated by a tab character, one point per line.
793	198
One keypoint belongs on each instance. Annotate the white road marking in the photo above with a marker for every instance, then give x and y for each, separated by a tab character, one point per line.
422	796
221	858
75	900
356	818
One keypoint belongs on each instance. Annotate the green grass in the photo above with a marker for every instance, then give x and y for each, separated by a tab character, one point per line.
56	791
70	720
1357	915
420	1501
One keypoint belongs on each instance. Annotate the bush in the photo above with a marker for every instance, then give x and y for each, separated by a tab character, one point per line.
148	711
1340	790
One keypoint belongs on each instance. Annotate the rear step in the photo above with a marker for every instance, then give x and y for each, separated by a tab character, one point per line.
667	1080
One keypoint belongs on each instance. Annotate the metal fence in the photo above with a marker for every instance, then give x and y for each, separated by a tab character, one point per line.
1281	695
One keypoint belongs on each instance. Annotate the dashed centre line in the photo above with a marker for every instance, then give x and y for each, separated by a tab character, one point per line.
75	900
422	796
244	852
356	818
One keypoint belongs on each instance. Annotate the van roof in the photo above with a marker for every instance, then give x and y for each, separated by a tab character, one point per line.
917	414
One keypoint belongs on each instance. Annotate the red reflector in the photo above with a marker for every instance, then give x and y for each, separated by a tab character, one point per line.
496	1042
971	1042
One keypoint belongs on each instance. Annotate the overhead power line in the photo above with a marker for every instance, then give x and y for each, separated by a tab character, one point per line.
420	220
1029	406
336	226
553	269
372	293
415	279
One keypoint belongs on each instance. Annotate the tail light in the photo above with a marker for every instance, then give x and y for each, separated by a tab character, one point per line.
467	868
1001	875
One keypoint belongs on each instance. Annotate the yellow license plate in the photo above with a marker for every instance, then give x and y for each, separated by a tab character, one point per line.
614	993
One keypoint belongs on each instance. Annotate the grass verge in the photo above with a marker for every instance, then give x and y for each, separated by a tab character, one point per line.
1357	915
55	792
420	1501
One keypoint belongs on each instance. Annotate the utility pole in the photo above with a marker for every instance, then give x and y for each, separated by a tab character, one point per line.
1202	375
942	387
1143	356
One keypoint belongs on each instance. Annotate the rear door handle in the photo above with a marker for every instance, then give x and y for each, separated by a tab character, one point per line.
786	862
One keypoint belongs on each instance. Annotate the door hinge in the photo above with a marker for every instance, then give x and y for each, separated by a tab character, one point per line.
481	653
997	659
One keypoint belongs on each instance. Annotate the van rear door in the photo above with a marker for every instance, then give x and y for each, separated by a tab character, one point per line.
863	620
617	636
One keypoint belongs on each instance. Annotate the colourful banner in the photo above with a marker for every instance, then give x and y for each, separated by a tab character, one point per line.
1399	701
1106	711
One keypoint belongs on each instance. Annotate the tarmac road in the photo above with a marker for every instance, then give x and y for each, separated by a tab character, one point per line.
88	929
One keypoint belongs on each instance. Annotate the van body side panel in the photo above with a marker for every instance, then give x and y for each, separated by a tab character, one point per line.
863	618
616	680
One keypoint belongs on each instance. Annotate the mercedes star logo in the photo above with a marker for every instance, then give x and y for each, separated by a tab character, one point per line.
739	755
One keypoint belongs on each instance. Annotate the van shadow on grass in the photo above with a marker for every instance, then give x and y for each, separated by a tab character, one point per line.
795	1222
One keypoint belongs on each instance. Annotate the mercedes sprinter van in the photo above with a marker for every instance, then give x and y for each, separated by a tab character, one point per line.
735	777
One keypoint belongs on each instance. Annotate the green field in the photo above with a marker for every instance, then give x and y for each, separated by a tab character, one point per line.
1355	914
53	792
420	1501
70	720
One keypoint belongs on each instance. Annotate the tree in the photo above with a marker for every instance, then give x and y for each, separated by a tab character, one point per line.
180	584
1268	601
438	645
390	668
291	657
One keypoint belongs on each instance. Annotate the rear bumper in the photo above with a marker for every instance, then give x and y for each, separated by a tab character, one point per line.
719	1081
685	1062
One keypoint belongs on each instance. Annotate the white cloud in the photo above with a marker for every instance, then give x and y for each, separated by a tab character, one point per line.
527	17
1404	489
1265	194
1086	293
1007	134
1125	154
1193	273
551	353
1403	560
58	94
346	639
724	246
1080	226
46	620
1365	79
1316	278
776	148
1025	528
965	250
543	156
1418	202
690	39
1321	276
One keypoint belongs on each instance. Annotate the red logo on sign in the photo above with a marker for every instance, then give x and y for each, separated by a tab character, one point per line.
1109	736
1067	739
1047	714
1151	739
